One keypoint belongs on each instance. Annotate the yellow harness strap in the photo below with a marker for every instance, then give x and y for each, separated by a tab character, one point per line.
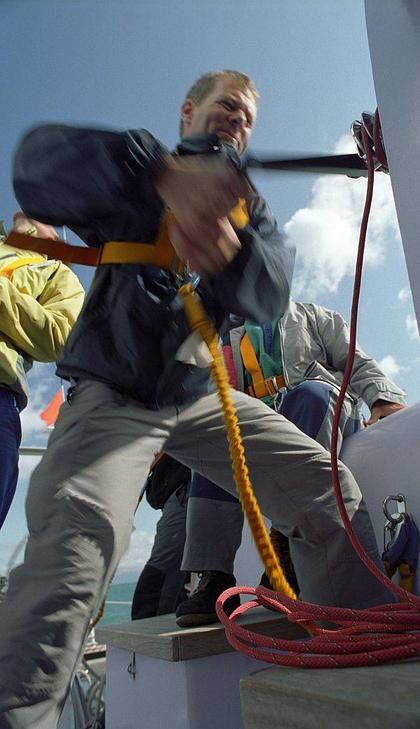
407	577
24	261
160	253
239	214
260	387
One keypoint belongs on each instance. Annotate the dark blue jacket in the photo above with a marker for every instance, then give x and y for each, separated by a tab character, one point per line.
100	184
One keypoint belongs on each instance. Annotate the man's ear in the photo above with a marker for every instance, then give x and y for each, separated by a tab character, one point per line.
187	113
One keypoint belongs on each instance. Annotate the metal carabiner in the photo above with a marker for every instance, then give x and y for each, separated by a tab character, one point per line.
186	275
399	515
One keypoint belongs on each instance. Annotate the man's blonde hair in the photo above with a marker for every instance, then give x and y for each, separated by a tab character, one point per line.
206	83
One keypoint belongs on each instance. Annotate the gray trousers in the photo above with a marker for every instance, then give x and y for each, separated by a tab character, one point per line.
310	406
80	510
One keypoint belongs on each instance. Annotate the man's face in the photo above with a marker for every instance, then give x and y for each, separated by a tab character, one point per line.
228	111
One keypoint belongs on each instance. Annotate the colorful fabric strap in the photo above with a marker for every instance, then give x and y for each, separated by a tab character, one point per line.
261	386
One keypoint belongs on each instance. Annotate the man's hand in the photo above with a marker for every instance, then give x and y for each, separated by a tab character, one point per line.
381	409
201	191
211	252
22	224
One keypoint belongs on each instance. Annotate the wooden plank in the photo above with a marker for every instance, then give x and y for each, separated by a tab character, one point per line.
160	637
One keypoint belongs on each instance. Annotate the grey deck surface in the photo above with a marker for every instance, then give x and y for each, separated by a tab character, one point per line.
160	637
374	697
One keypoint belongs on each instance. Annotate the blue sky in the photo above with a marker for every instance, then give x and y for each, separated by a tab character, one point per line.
127	64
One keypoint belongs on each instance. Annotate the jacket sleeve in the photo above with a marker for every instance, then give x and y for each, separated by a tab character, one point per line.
40	326
256	284
100	184
91	180
367	380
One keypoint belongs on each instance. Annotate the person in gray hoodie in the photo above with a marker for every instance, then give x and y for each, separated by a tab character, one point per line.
295	364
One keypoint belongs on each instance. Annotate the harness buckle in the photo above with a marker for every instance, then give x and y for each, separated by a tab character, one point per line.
272	382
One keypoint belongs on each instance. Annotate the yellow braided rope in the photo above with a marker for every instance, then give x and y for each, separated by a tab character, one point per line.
98	615
199	321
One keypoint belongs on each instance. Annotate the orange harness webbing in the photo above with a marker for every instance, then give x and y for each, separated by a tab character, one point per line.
159	253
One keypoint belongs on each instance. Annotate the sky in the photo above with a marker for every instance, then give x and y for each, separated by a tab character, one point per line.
127	64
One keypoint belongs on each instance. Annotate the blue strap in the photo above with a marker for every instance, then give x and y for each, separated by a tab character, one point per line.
404	547
411	552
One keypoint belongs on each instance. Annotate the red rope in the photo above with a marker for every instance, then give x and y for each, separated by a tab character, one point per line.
362	637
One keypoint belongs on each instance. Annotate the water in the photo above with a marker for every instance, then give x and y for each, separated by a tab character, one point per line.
118	604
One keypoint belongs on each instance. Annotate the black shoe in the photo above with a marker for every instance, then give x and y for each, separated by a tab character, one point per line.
200	608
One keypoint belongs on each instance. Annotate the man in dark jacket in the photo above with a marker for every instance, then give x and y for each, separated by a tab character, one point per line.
140	381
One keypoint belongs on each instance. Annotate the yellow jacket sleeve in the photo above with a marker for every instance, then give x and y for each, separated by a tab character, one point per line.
38	307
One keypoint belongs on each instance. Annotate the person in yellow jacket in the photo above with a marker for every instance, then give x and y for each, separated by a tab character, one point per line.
39	302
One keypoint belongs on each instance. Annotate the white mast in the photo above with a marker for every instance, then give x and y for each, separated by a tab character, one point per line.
394	40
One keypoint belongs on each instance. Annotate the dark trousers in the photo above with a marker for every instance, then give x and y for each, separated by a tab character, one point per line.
10	437
160	586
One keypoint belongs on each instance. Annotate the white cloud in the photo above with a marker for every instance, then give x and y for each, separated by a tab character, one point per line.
404	294
32	425
390	366
43	385
326	232
412	327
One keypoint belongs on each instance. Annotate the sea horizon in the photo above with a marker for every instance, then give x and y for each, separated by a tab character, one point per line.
118	603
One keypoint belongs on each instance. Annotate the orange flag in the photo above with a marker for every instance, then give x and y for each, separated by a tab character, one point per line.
49	415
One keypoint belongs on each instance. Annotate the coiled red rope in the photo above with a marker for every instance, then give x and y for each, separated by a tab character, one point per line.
376	635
